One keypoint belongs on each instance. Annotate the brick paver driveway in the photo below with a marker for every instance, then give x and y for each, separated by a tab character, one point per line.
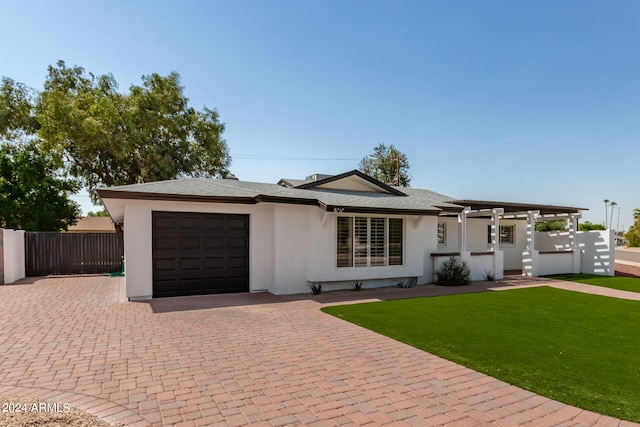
239	359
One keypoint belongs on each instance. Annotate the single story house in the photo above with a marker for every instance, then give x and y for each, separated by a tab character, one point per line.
201	236
93	224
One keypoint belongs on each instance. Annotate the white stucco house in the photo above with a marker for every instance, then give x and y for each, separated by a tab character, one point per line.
203	236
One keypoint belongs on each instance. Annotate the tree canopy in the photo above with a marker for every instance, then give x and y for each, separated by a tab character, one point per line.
387	165
555	225
588	226
33	196
107	138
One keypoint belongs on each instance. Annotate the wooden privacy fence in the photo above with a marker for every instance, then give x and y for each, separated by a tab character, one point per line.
72	253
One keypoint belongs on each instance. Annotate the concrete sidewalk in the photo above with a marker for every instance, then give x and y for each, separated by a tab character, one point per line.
243	359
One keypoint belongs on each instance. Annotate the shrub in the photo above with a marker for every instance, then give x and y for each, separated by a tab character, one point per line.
453	272
633	239
357	286
489	276
587	226
316	288
409	283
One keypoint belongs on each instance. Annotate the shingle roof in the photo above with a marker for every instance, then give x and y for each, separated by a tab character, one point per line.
93	223
232	191
399	200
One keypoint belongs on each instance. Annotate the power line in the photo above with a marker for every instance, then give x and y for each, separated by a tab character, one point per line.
263	157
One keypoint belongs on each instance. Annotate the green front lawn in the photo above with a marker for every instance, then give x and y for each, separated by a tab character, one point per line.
622	283
580	349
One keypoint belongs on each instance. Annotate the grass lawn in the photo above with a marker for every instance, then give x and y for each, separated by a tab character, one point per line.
576	348
622	283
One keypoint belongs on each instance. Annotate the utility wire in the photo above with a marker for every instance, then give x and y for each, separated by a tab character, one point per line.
263	157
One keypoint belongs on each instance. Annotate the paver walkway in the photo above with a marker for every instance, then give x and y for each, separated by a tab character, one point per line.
242	359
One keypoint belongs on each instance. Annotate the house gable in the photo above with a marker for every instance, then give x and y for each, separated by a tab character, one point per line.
354	180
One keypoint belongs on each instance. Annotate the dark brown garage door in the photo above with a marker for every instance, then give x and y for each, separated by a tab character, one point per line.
195	253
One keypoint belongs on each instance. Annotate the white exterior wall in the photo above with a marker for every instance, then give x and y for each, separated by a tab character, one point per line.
548	241
595	253
512	253
290	246
137	241
480	265
291	237
452	243
598	252
12	251
559	263
419	242
477	234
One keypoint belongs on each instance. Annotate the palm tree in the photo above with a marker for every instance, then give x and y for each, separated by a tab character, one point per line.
636	218
613	205
606	214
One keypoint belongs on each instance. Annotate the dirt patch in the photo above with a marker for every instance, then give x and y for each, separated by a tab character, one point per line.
22	412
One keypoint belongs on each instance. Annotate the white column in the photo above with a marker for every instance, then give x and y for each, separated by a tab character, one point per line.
573	228
498	260
573	243
462	221
495	229
531	229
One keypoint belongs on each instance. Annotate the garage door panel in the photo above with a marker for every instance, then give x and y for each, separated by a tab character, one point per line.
191	286
164	242
165	223
165	287
217	285
189	223
216	263
190	264
164	264
236	242
187	243
197	253
214	242
213	224
237	224
237	262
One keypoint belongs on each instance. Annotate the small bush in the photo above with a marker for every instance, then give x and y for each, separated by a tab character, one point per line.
489	276
409	283
357	286
453	272
316	288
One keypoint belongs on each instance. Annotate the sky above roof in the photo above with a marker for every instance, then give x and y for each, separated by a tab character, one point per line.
533	102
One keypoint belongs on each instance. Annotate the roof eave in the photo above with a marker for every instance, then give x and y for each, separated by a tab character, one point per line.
381	211
512	206
141	195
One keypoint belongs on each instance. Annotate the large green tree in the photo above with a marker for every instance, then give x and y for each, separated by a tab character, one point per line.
17	101
33	195
387	165
106	138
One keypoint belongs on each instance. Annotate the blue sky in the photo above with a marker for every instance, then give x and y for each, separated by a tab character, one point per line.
496	100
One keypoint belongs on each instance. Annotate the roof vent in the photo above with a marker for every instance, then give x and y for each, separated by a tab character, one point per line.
317	177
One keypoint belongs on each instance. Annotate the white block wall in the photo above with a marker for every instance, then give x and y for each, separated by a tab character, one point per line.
598	252
12	255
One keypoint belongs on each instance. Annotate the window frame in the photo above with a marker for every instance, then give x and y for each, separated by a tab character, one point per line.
442	233
362	246
512	234
510	242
